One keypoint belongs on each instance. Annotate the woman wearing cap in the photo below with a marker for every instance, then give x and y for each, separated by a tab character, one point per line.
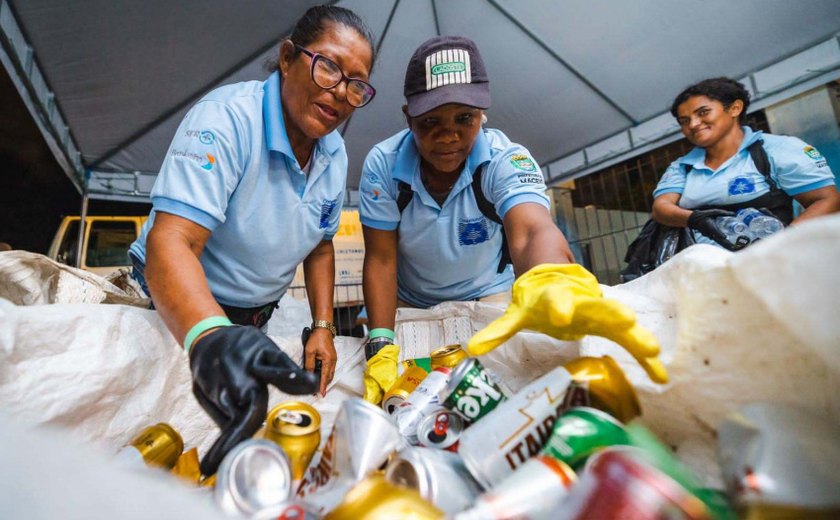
252	186
723	173
439	203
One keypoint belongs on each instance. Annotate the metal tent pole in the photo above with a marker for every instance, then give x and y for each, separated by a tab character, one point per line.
82	220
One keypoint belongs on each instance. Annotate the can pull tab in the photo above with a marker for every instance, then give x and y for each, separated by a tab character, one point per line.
293	417
441	424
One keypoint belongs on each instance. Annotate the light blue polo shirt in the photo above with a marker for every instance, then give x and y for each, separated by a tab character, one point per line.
230	169
794	165
448	253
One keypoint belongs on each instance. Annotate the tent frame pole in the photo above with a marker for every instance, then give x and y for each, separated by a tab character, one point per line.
82	225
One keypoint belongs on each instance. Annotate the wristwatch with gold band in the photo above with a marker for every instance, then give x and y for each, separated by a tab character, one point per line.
324	324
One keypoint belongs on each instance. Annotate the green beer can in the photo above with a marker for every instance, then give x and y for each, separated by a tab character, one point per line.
580	432
471	392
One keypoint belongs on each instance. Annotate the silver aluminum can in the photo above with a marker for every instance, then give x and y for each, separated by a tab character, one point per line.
439	476
255	477
471	391
441	428
362	438
516	429
533	491
775	454
424	397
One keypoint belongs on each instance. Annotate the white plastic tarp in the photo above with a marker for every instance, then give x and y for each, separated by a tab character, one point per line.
759	325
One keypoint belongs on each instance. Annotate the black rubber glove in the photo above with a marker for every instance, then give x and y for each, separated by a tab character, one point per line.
703	220
231	368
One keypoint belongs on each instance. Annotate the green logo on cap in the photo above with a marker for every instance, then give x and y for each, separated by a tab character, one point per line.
451	66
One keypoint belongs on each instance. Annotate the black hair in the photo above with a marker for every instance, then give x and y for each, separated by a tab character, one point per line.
724	90
311	26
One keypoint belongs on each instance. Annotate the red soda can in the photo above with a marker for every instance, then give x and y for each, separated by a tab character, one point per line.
619	484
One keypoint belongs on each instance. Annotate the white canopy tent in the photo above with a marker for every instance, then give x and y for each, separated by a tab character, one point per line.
580	83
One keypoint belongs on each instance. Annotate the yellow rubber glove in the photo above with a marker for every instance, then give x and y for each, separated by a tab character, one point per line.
566	302
381	373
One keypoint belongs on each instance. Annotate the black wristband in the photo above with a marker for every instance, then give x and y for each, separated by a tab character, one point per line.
373	346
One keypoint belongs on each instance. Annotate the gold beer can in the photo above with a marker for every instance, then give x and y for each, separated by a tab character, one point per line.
159	445
448	356
405	384
377	499
295	427
608	387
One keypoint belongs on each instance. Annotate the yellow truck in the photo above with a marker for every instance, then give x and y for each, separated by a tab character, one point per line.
104	244
106	241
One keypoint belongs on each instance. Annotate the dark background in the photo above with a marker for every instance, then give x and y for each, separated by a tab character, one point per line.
35	193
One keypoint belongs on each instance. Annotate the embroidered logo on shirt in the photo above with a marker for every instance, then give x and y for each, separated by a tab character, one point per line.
207	161
472	231
371	178
373	194
523	162
210	162
814	154
206	137
530	178
326	210
741	185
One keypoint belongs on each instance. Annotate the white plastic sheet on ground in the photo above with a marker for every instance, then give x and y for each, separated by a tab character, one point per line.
762	324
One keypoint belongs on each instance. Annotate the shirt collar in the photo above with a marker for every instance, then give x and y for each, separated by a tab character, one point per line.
408	157
696	158
275	126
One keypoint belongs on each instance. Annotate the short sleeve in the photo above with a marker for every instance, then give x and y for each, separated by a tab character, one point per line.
797	166
377	198
672	181
513	177
202	166
335	219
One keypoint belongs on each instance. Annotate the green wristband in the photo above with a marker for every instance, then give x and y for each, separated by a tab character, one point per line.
382	333
203	326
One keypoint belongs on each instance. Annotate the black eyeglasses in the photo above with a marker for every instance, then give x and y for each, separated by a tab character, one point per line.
327	74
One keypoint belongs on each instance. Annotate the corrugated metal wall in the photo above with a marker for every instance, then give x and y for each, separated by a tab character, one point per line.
602	213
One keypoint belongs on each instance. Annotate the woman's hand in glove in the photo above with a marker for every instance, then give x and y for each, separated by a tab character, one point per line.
231	368
565	302
381	371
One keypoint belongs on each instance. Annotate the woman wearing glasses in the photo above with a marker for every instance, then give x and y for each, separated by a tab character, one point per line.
252	185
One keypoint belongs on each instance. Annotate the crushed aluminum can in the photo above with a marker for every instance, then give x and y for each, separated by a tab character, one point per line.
157	446
781	460
533	491
408	381
439	476
362	438
606	385
254	479
296	427
580	432
441	429
377	499
449	356
471	391
620	484
516	430
423	398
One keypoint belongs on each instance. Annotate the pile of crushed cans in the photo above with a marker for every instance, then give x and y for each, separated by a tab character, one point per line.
452	441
